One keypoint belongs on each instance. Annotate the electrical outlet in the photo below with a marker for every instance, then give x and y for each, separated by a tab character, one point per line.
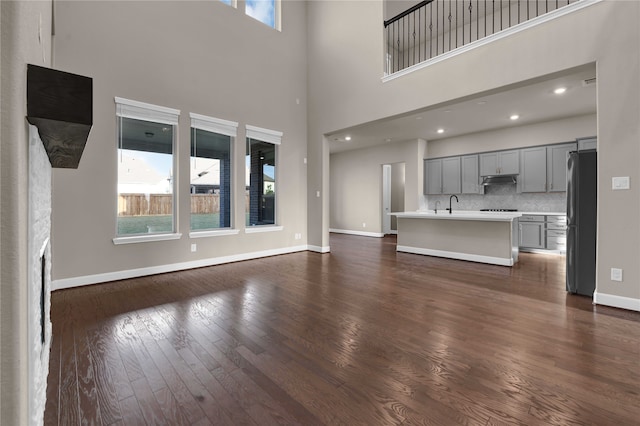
194	248
616	274
298	236
364	225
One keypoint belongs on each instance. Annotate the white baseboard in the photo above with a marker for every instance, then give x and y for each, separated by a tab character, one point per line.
616	301
160	269
359	233
318	249
455	255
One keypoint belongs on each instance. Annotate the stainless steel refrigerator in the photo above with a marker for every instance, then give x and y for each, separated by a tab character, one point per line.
581	222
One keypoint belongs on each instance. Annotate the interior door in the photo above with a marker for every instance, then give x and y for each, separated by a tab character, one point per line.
386	198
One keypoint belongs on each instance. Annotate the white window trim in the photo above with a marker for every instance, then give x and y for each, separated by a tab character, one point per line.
264	135
148	112
146	238
262	228
215	125
213	233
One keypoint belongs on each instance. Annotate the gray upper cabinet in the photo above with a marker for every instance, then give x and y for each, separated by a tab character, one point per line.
442	176
433	177
533	176
557	166
451	175
470	175
500	163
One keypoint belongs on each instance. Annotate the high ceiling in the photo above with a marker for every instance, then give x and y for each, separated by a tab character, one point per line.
534	102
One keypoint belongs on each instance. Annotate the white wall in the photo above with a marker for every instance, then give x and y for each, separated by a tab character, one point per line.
22	42
346	90
546	133
201	57
356	184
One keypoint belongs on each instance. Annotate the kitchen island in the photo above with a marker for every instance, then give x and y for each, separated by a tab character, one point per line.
486	237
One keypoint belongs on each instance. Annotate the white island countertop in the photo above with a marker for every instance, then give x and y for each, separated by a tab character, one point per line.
459	215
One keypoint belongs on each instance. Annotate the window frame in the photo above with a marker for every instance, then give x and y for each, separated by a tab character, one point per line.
227	128
273	137
127	108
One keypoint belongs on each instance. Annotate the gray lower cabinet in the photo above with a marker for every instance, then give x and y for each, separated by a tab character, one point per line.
532	232
556	233
542	232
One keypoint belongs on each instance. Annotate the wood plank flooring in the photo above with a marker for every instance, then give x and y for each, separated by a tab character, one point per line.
360	336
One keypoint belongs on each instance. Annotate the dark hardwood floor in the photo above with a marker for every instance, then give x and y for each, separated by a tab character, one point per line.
360	336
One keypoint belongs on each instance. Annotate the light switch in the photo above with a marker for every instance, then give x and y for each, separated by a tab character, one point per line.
620	183
616	274
318	194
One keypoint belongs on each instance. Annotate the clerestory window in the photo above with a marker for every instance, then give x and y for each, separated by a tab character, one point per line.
265	11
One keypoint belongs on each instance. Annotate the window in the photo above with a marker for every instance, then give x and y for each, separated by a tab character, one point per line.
261	175
231	3
146	184
265	11
211	172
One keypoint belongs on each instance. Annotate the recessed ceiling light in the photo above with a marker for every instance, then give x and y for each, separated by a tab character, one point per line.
560	90
440	130
447	110
418	118
514	117
387	140
482	102
347	138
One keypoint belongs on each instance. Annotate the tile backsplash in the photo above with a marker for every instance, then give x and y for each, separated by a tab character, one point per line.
501	197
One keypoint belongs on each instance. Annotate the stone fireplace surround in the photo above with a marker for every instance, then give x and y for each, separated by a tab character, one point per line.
39	270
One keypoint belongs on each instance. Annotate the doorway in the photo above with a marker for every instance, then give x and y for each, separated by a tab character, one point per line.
393	178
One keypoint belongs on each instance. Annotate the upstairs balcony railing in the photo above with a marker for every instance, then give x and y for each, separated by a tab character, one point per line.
434	27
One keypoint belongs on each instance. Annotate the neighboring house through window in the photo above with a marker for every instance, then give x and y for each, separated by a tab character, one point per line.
211	172
261	175
146	184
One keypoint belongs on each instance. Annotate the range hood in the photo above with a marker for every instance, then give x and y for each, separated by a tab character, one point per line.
60	105
499	180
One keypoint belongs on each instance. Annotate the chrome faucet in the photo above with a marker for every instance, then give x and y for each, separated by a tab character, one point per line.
457	201
435	210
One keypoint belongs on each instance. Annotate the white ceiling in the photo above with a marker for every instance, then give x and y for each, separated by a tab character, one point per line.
533	101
